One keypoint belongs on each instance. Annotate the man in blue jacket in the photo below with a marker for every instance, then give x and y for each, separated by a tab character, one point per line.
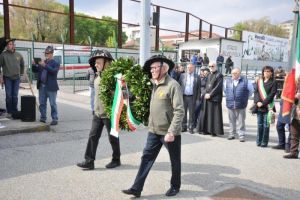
237	89
47	85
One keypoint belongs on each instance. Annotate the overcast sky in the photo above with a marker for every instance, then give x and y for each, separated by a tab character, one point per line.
221	12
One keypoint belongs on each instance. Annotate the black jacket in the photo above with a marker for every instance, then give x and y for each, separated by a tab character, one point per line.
271	89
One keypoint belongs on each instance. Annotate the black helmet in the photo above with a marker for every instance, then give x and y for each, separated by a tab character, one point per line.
49	49
100	54
158	58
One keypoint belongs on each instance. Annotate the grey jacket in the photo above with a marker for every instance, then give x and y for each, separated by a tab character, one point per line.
166	107
90	75
99	107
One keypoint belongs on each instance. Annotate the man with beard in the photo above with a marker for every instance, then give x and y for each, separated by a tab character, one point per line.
211	120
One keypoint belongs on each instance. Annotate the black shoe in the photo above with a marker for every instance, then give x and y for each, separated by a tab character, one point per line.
172	192
231	138
113	164
43	121
278	147
263	145
86	165
191	131
287	150
132	192
213	135
291	156
183	130
53	123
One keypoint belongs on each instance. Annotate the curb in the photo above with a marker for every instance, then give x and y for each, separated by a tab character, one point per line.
39	128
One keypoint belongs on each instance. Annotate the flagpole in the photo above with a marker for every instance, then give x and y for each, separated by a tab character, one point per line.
292	57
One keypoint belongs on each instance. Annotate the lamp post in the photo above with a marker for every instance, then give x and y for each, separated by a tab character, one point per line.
145	31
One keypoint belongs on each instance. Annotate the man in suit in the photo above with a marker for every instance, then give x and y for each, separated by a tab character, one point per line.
47	84
191	89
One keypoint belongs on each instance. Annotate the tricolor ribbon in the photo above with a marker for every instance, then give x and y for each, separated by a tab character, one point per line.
117	107
263	95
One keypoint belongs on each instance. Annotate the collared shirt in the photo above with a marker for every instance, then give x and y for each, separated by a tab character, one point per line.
189	84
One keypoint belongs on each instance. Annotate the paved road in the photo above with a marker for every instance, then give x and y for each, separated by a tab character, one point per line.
42	165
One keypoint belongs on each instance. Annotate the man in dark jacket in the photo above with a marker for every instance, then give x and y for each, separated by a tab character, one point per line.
47	85
237	90
191	89
228	65
220	61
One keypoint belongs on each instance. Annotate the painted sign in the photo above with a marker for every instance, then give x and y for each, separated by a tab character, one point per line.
264	47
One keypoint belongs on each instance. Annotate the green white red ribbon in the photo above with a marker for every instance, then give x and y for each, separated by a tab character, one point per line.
263	95
117	107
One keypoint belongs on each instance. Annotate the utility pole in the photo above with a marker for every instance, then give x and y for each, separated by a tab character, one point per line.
292	57
145	47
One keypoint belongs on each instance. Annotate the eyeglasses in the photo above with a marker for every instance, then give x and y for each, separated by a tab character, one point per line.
154	68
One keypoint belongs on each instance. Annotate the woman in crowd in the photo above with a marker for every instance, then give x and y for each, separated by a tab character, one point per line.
265	90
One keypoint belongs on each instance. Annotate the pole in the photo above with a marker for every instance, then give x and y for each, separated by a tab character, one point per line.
90	42
63	55
145	31
292	57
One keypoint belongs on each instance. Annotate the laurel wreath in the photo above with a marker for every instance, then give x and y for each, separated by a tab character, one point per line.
138	84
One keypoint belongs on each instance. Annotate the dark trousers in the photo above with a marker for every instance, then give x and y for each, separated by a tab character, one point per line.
188	106
280	127
228	70
295	135
197	112
95	134
263	129
11	92
153	146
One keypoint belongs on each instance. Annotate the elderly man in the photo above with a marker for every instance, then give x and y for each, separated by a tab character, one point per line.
237	89
101	59
12	65
211	119
166	113
191	88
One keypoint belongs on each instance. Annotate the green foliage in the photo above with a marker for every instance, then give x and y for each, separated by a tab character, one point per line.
138	83
262	25
49	26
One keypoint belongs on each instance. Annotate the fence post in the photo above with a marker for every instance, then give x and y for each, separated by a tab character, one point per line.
90	42
73	83
63	55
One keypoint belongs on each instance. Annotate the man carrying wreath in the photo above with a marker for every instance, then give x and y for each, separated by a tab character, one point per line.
165	119
101	59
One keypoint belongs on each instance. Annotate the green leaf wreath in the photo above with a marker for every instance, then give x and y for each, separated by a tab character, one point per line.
139	86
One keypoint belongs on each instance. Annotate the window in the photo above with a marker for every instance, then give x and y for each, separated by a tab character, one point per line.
84	59
71	59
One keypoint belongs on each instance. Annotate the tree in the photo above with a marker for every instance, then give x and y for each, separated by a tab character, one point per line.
262	25
45	26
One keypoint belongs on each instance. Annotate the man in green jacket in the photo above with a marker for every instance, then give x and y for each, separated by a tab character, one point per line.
12	65
165	119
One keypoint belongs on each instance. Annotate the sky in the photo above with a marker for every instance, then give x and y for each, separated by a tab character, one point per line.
220	12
